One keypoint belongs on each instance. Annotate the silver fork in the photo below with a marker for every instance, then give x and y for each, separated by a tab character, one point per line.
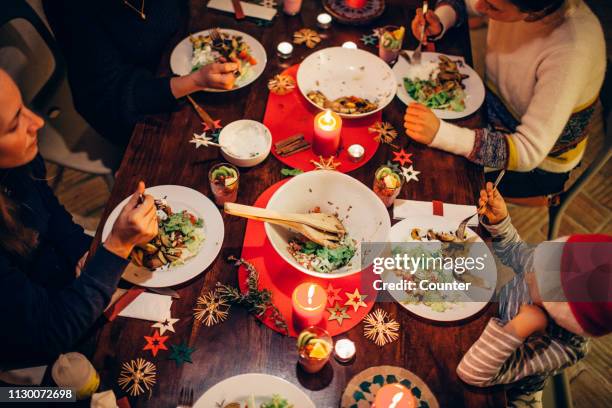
460	233
416	55
215	34
185	398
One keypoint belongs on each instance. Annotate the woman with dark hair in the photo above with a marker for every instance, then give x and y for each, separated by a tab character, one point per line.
48	298
545	64
112	50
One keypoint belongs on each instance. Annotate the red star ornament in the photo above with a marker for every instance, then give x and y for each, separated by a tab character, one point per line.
155	343
216	125
402	157
332	294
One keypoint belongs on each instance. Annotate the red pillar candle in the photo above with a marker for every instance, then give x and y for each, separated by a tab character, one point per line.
326	138
394	396
308	302
356	3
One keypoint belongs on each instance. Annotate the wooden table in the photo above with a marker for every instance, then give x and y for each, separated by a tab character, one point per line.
159	153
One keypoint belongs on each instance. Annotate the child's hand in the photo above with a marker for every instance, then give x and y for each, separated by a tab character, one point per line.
421	123
530	319
433	27
492	205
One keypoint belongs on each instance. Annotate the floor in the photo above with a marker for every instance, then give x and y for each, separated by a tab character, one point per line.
591	211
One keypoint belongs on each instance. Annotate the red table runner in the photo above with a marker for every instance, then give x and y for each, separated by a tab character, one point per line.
281	278
291	114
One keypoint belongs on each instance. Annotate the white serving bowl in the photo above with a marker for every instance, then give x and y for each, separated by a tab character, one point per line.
339	72
334	192
248	142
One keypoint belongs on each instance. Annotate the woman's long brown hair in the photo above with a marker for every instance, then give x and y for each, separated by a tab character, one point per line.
15	237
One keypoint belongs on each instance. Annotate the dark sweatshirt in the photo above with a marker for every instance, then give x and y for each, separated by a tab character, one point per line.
112	55
45	308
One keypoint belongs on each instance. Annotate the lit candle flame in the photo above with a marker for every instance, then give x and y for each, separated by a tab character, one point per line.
311	291
396	399
327	121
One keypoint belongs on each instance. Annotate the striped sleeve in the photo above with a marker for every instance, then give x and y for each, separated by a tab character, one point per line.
510	247
499	357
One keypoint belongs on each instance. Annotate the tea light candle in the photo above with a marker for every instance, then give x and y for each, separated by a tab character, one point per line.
356	152
344	350
308	303
394	396
356	3
350	45
284	50
327	128
324	20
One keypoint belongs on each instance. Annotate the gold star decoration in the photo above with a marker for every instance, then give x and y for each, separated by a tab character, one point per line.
306	36
211	309
355	299
338	313
380	328
167	324
281	84
384	132
326	164
137	376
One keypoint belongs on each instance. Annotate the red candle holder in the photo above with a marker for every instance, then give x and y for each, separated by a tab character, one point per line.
356	3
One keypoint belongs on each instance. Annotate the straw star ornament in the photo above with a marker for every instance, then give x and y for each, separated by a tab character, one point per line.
306	36
281	84
326	164
380	328
211	309
384	132
137	376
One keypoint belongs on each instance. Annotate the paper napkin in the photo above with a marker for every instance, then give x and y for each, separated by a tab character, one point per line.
456	212
250	9
148	306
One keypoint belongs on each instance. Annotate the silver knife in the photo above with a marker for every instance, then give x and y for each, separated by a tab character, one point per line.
164	291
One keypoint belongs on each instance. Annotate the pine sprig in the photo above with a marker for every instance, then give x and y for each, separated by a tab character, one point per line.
257	301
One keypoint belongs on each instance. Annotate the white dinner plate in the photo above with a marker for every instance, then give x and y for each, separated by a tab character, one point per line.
179	198
338	72
262	386
400	232
474	87
180	59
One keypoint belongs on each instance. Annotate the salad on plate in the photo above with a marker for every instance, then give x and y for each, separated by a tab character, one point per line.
275	401
437	84
179	238
219	46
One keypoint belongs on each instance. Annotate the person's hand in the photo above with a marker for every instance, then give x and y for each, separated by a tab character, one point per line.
136	224
530	319
433	26
491	204
81	264
216	75
421	123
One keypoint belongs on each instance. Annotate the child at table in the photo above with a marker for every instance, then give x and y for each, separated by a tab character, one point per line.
545	64
545	318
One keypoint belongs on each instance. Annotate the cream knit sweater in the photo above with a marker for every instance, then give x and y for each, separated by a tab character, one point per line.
544	71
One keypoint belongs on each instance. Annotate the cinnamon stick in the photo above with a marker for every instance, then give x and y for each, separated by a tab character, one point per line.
291	139
299	149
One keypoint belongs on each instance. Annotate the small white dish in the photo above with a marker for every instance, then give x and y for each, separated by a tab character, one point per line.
246	143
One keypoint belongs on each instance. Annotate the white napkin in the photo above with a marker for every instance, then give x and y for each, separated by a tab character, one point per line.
104	399
24	376
411	208
250	9
149	306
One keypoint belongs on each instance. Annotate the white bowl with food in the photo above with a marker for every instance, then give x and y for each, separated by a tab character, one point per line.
246	143
361	212
352	83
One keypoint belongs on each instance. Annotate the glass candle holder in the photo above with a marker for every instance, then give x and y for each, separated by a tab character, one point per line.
324	21
224	180
284	50
350	45
314	346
